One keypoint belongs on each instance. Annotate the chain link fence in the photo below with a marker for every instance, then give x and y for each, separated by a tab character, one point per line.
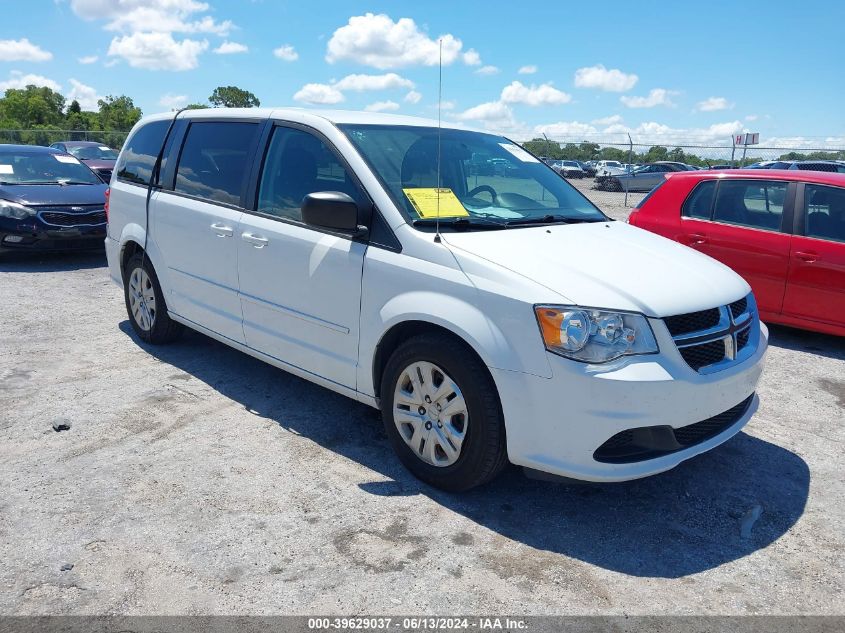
48	136
625	169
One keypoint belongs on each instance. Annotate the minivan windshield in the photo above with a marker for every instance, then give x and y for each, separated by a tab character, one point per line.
484	181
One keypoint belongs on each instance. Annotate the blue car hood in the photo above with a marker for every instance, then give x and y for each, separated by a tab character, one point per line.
34	195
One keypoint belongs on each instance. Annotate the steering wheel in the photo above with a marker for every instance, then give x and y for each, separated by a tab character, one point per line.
480	189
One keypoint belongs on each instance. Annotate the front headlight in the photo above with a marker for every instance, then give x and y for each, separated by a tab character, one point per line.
594	336
14	210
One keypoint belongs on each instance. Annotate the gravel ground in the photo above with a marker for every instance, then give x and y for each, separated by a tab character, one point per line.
195	479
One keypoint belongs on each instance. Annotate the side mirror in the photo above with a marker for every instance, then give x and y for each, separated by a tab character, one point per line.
333	210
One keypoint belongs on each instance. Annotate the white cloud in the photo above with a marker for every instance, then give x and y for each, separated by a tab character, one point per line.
88	59
472	58
231	48
608	120
85	95
157	51
173	102
494	112
378	41
413	97
599	77
527	70
713	104
286	52
752	117
446	105
382	106
656	97
544	94
487	70
566	128
319	93
163	16
22	50
18	80
373	82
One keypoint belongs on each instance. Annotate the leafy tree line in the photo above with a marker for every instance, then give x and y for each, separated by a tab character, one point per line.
593	151
37	115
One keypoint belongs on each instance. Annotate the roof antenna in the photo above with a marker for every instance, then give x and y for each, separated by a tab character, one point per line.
439	102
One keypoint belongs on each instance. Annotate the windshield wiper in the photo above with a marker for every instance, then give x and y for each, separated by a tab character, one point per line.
552	219
462	223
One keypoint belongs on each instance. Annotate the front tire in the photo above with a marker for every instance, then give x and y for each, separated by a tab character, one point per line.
145	303
442	414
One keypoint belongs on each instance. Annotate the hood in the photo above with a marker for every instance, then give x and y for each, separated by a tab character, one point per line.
34	195
607	265
97	163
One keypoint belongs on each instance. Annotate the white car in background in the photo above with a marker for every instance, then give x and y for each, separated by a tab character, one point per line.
610	168
492	314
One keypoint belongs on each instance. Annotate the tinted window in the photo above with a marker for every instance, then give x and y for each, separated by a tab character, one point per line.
299	163
700	201
215	159
751	203
140	153
824	212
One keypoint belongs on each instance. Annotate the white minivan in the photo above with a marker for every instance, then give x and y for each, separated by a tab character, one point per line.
445	276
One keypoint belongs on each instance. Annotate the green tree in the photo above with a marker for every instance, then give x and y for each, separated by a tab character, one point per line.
118	113
32	106
233	97
196	106
655	153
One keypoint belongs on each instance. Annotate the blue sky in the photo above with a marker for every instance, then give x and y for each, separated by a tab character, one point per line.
689	71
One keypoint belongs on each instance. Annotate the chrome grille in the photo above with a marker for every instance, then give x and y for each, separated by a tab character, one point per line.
714	339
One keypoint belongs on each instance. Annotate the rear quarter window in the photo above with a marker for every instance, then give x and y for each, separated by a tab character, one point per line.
138	157
699	203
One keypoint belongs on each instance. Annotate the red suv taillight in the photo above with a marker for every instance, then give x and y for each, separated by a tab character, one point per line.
106	205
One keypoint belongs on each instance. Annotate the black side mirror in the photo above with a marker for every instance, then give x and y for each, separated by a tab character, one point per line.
333	210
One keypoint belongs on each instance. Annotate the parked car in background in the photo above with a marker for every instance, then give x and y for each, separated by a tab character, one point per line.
644	178
100	158
720	166
803	165
508	320
568	168
49	200
782	230
609	167
587	167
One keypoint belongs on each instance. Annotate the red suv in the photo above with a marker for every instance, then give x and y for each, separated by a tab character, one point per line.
784	231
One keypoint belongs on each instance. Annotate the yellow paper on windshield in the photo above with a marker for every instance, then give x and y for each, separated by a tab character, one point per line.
426	200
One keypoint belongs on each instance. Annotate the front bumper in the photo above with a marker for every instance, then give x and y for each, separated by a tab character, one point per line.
557	424
33	235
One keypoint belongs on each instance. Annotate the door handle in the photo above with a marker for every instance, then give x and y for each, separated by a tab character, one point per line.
805	256
222	230
696	238
255	240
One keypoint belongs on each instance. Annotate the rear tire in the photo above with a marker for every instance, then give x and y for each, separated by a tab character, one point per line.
451	433
145	303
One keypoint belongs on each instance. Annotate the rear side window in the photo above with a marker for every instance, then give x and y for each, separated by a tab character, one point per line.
752	203
700	202
824	212
140	152
215	159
